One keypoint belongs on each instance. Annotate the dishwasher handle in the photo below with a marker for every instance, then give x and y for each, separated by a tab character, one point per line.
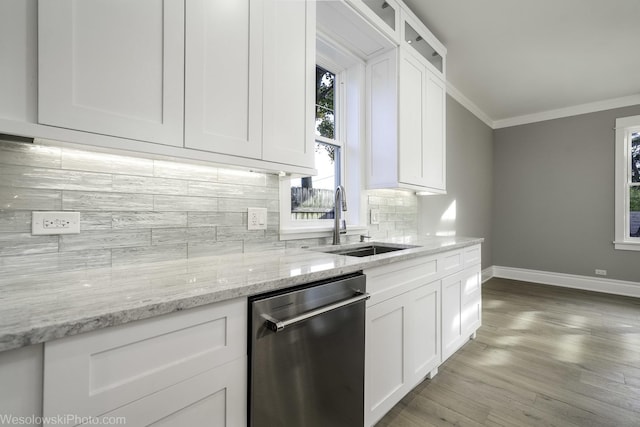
277	325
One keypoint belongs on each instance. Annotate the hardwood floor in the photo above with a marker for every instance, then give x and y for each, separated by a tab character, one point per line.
544	356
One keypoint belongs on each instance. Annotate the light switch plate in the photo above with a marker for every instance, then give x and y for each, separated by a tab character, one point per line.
49	222
257	219
375	216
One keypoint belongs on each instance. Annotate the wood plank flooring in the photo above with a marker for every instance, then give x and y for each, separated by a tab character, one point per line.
545	356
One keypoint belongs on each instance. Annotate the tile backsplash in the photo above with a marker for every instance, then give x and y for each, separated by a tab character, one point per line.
137	209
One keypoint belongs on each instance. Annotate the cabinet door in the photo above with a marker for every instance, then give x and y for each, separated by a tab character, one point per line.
421	125
113	67
424	331
289	82
217	398
451	309
461	308
95	373
386	370
434	143
412	112
223	86
472	300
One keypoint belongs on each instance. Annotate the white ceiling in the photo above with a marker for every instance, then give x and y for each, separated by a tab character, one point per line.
514	58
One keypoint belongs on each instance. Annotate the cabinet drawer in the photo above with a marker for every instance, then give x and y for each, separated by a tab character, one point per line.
94	373
472	255
452	262
394	279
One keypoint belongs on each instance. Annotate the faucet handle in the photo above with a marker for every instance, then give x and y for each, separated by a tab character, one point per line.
364	236
343	226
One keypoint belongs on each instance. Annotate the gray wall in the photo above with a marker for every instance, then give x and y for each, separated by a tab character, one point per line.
469	182
136	209
554	197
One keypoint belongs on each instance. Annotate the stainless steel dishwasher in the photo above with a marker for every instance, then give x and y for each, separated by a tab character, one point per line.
307	355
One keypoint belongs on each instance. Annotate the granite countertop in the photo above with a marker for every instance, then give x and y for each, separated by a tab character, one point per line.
39	308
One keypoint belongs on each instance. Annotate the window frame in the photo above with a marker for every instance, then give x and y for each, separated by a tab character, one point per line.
289	228
351	72
624	127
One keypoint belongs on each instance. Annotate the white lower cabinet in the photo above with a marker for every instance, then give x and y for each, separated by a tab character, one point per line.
185	368
402	340
420	312
461	308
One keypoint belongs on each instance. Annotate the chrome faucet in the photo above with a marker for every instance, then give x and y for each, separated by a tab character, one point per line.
339	224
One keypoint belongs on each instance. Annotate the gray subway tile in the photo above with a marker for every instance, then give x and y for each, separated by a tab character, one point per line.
27	154
104	240
139	220
199	249
26	244
15	221
93	201
215	189
210	219
241	205
184	171
55	179
127	256
29	199
239	233
148	185
166	236
54	262
95	221
237	176
107	163
184	203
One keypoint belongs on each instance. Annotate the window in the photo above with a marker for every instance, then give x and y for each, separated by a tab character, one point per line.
628	183
306	204
312	197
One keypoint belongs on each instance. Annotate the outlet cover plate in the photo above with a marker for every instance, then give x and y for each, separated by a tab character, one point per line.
257	219
49	222
375	216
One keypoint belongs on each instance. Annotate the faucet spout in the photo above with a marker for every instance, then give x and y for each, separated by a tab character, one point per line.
339	227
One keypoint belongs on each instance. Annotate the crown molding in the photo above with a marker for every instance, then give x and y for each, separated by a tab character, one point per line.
469	105
575	110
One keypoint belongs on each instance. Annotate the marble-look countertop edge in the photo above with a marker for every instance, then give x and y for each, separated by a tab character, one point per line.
75	324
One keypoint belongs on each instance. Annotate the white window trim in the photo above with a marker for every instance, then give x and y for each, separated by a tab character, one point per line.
289	229
624	127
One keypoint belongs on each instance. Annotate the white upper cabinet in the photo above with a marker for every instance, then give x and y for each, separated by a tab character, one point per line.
289	82
406	113
250	78
223	87
112	67
421	115
225	81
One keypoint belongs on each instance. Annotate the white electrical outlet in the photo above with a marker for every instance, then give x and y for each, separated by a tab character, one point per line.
44	223
257	219
601	272
375	216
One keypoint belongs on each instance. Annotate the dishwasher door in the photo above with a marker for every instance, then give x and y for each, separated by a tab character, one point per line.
307	356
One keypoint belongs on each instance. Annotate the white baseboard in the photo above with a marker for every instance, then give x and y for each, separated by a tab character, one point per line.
596	284
487	274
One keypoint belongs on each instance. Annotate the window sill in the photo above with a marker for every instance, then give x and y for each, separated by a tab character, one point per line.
626	245
295	233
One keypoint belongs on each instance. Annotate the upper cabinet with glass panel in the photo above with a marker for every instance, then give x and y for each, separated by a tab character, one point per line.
421	41
384	14
352	28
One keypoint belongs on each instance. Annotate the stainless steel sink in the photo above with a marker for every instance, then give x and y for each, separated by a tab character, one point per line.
368	250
